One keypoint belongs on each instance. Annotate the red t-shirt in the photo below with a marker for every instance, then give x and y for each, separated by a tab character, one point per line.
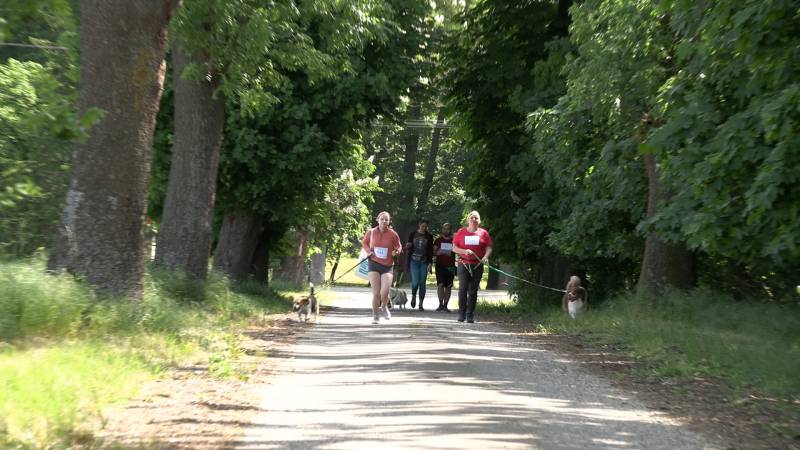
447	257
477	242
385	243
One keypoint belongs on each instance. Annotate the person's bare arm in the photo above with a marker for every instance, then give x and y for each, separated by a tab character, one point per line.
486	256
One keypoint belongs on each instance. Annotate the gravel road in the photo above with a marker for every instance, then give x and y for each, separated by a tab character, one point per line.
424	381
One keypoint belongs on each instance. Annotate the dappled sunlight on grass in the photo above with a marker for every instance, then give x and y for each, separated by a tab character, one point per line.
66	353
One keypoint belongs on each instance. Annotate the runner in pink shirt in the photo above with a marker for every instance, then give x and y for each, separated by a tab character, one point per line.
382	244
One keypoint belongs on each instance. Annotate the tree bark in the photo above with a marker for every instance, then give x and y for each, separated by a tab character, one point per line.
381	152
237	243
335	267
259	267
101	237
492	280
408	186
555	270
318	268
430	168
664	264
184	240
293	266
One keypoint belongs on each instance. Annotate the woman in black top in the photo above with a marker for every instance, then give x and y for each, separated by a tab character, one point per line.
420	253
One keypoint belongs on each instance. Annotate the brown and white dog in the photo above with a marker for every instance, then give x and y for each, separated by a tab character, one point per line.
575	298
306	305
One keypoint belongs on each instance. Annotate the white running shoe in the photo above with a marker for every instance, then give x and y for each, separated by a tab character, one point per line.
385	312
375	320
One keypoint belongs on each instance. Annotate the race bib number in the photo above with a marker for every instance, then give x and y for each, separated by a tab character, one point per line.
382	252
446	247
472	240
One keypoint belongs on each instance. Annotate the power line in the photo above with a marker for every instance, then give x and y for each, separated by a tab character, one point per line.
46	47
414	124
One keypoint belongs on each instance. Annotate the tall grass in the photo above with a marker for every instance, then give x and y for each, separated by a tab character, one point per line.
66	353
698	333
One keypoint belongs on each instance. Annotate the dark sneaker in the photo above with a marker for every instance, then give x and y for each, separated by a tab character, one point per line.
413	302
470	320
461	318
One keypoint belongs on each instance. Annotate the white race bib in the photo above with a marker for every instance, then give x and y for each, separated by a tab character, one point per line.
472	240
446	247
381	252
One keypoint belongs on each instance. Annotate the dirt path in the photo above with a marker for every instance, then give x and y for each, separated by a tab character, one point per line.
422	380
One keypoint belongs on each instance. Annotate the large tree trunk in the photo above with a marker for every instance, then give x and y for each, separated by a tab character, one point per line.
184	239
237	243
122	73
664	264
293	266
430	169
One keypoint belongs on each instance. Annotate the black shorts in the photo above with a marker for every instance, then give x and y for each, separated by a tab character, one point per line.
378	267
445	274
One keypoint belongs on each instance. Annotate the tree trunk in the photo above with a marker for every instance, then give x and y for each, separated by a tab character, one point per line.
335	266
381	152
237	243
318	268
555	270
664	264
408	188
101	235
293	266
259	267
430	169
492	279
184	240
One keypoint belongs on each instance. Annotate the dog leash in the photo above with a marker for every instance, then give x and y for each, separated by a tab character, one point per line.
470	269
330	283
522	279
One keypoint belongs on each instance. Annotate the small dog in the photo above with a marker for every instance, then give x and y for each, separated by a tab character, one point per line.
575	298
398	297
304	306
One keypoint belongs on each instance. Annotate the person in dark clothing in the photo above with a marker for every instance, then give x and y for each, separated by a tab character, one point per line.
419	248
475	246
445	266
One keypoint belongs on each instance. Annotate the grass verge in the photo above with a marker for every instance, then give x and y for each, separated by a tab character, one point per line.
752	346
66	353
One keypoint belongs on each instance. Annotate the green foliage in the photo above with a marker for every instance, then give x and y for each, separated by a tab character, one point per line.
37	121
251	44
447	198
731	133
34	151
587	144
492	65
283	161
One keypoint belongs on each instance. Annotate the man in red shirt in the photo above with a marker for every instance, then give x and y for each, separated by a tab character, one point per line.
445	265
